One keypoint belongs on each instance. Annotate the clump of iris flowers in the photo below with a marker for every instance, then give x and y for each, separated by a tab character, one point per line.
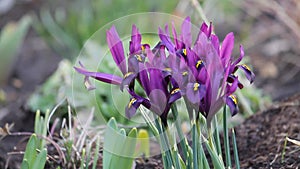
203	73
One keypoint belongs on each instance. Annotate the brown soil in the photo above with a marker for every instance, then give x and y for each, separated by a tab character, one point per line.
261	137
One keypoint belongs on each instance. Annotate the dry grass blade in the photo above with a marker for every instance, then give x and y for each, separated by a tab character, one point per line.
293	141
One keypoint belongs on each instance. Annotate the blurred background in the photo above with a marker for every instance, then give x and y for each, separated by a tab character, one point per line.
40	41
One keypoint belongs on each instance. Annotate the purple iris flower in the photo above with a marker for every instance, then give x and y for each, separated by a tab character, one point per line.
211	71
203	73
150	74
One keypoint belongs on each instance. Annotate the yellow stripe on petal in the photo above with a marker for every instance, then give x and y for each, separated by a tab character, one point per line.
184	52
128	74
132	101
175	91
199	63
168	69
139	58
196	86
184	73
246	67
233	98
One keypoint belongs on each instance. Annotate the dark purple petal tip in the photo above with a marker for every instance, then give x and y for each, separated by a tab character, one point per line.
231	101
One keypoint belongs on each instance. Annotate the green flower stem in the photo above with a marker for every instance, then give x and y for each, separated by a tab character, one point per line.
216	135
226	139
164	143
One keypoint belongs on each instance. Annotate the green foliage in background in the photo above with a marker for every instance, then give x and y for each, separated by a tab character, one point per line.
11	38
67	27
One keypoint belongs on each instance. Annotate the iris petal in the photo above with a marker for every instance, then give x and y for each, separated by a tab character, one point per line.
232	88
104	77
195	92
132	106
166	41
136	39
186	36
174	95
232	104
128	80
226	49
249	74
116	48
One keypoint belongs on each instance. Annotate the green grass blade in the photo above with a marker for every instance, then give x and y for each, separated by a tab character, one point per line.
235	150
82	159
283	151
89	156
96	153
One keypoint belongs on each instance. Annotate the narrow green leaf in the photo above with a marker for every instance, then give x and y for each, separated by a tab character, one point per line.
176	158
30	152
235	151
226	139
195	147
214	157
44	130
40	160
61	37
179	131
124	150
151	125
144	142
112	123
190	158
204	160
24	164
182	163
37	128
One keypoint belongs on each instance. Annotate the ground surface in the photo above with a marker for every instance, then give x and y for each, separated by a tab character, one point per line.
261	137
